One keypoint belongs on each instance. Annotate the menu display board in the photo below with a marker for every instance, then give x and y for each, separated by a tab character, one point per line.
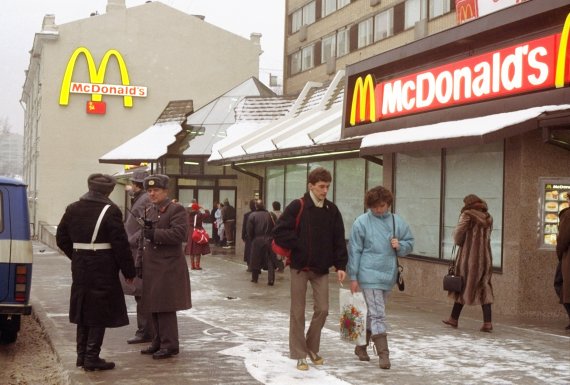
554	195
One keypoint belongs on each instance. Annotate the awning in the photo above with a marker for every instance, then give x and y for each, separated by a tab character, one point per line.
466	132
147	146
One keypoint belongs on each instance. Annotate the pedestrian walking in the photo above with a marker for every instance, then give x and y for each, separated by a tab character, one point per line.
166	287
220	224
194	249
259	227
563	254
244	236
317	243
474	261
139	203
229	219
92	235
377	238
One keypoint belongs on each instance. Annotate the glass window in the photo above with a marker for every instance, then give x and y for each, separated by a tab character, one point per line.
295	182
365	33
342	3
375	175
172	166
438	8
1	212
349	194
295	62
328	48
296	20
309	12
384	24
329	6
275	185
488	185
414	11
342	42
308	61
191	167
418	191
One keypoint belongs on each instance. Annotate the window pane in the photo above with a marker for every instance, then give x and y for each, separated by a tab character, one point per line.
275	185
415	10
375	175
307	61
438	8
309	13
417	193
295	182
328	48
484	167
342	43
342	3
329	6
296	20
365	33
295	63
383	24
349	196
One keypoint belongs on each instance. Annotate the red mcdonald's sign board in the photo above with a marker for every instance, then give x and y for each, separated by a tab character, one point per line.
466	10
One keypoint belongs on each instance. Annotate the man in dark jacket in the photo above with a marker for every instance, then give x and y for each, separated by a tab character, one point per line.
92	235
229	219
258	228
166	287
317	242
139	204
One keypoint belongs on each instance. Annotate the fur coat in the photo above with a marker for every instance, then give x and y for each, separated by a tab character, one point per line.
563	253
474	260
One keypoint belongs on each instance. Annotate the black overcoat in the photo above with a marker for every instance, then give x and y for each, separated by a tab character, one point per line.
97	298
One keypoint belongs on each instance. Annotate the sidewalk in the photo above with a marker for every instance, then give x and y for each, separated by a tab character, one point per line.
237	333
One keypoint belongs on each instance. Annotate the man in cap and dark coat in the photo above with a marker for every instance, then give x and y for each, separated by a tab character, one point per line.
166	287
91	233
140	202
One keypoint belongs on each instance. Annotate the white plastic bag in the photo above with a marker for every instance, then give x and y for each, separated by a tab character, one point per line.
352	316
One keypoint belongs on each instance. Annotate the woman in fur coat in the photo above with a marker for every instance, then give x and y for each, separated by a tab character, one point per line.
474	260
563	253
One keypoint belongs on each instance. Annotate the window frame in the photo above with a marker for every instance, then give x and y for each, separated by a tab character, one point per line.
365	33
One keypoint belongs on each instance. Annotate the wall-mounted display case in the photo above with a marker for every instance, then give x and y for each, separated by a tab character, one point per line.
553	198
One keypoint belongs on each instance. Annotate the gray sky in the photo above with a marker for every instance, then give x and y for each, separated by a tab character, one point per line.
21	19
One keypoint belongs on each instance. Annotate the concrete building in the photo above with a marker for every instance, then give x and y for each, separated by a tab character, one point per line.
94	83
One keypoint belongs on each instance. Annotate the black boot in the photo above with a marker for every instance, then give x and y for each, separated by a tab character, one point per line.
94	342
254	276
81	338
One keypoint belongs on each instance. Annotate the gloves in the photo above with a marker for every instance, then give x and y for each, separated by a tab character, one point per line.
149	234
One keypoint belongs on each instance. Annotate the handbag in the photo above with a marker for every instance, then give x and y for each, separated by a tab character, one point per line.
451	282
352	320
400	277
282	251
200	236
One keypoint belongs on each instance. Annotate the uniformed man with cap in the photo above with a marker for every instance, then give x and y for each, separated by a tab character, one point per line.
139	204
166	287
91	233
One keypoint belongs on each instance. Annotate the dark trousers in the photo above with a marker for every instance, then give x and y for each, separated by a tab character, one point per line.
144	327
165	327
457	307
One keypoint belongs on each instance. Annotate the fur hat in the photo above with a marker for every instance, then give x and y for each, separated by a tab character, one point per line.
101	183
157	181
138	176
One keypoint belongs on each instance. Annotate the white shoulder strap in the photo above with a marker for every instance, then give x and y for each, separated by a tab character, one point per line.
99	220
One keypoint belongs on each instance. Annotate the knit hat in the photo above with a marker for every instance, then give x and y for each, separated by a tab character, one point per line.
157	181
101	183
195	206
138	176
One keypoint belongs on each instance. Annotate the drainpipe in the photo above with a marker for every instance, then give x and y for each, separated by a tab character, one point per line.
249	173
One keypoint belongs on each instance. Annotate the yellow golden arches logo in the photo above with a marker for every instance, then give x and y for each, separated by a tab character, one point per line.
362	97
466	12
562	53
96	75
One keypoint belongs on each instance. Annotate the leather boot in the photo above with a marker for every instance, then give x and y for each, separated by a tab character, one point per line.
254	276
381	344
94	342
193	262
198	263
360	350
81	338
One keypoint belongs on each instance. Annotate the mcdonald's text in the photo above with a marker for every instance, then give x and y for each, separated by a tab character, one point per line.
107	89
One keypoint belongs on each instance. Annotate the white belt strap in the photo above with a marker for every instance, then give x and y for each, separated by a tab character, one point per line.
95	246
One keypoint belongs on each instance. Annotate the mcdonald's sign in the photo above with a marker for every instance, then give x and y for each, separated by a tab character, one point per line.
96	87
466	10
526	67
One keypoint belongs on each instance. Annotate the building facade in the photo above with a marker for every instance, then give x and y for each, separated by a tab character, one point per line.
96	82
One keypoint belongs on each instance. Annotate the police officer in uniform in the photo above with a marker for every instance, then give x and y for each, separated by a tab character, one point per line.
91	233
166	287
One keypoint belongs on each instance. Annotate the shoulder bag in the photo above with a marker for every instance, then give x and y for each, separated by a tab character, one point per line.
400	277
200	236
451	282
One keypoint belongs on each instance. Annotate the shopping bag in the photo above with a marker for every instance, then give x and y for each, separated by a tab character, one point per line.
200	236
352	317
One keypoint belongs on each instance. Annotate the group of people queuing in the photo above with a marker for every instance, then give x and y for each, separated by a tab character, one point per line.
148	248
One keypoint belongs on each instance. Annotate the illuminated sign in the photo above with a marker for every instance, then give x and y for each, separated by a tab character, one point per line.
96	87
465	10
528	67
471	9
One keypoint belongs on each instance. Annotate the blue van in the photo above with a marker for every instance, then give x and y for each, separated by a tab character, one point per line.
16	257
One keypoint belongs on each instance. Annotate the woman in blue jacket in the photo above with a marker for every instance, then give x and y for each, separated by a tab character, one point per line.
377	238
